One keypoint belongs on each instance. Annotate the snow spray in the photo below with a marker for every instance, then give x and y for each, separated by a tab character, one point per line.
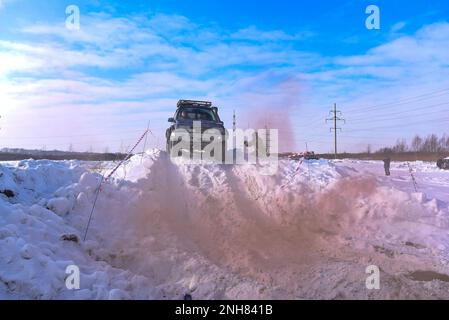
103	179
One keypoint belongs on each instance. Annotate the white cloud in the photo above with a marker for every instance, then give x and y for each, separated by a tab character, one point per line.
398	26
169	41
3	3
59	73
254	34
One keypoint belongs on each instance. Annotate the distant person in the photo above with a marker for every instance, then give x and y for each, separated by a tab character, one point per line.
387	163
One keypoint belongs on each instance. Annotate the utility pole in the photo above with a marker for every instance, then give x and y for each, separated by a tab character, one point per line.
234	142
335	117
233	123
308	162
267	140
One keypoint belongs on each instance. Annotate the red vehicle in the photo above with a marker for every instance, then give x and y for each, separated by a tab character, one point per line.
310	155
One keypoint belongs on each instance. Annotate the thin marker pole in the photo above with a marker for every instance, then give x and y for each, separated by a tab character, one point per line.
308	161
145	143
93	208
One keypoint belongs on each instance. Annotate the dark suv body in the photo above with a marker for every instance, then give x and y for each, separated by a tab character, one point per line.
443	164
190	113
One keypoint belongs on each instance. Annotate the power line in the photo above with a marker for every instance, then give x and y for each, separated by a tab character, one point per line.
335	118
408	112
378	107
402	125
418	98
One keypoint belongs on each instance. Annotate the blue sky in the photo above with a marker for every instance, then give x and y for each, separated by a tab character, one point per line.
278	62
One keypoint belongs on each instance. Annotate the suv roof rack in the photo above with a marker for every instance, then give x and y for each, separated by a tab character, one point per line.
194	103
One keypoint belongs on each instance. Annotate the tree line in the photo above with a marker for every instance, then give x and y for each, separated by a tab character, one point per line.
430	144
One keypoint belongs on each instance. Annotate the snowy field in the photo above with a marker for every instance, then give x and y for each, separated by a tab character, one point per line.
161	230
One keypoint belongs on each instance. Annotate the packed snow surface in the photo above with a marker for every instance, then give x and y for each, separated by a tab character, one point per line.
161	230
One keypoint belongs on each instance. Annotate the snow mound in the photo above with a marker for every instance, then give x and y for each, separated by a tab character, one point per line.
161	230
32	180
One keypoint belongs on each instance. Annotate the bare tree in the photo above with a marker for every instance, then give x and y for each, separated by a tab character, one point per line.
122	147
401	146
431	143
417	143
442	143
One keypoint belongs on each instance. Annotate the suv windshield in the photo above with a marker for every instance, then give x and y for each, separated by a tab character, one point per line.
197	114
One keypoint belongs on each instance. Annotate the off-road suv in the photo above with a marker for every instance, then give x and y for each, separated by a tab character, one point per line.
198	119
443	164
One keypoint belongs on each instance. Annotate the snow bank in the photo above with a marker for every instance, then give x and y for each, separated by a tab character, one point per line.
32	180
161	230
36	242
